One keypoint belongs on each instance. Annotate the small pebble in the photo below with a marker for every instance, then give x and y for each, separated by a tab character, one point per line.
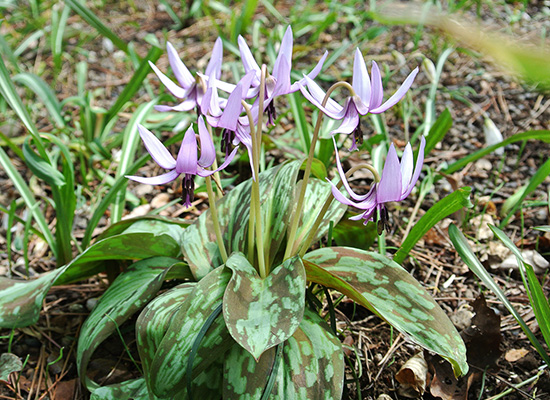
90	303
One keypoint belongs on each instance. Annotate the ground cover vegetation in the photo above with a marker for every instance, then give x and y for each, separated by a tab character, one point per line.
274	200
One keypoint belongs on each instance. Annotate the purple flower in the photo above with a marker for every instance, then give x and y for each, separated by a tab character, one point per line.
396	183
367	98
187	162
189	89
277	83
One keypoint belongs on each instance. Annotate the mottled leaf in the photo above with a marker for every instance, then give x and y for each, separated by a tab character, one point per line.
170	364
21	301
154	320
128	293
386	288
261	313
311	366
147	224
9	363
128	390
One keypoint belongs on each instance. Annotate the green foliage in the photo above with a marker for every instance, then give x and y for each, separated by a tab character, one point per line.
466	253
384	287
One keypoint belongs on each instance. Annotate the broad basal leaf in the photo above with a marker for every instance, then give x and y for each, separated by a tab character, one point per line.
383	286
129	292
128	390
186	349
310	366
154	320
9	363
261	313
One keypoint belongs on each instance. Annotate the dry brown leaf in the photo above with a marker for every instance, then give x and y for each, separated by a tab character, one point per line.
412	376
514	355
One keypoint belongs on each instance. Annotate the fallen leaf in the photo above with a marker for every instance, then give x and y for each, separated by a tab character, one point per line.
9	363
514	355
412	376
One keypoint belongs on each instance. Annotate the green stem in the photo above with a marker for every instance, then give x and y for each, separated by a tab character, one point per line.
328	202
215	220
300	203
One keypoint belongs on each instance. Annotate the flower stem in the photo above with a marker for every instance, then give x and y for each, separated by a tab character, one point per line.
300	202
328	202
215	220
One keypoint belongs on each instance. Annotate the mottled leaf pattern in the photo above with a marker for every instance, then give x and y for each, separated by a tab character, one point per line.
169	366
128	390
261	313
9	363
277	191
382	285
21	301
154	320
129	292
311	366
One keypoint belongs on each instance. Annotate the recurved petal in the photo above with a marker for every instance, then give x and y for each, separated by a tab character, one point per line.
407	167
203	172
248	60
315	95
158	152
361	81
186	162
233	109
417	168
171	86
377	93
342	174
389	187
208	152
215	64
155	180
185	105
314	72
398	95
285	52
181	72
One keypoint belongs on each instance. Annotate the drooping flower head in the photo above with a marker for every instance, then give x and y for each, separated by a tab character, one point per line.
367	99
278	82
190	89
187	162
396	183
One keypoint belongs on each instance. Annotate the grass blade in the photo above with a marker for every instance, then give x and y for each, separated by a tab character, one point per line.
44	93
465	252
535	181
442	209
537	135
532	285
129	147
28	197
87	15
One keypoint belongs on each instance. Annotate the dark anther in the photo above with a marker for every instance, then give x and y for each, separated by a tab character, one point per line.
271	113
227	141
383	221
188	189
358	135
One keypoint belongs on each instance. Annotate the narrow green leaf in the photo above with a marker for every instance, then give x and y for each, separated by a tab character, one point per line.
295	100
438	130
129	292
129	147
87	15
28	197
529	135
465	252
42	168
442	209
538	300
44	93
383	286
7	90
542	173
135	82
261	313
